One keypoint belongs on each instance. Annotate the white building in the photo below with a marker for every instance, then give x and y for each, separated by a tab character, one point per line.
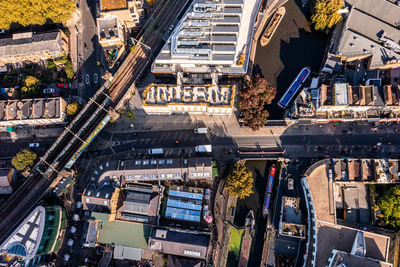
214	36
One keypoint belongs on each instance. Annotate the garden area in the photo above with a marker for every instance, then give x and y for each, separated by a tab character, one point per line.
30	80
235	244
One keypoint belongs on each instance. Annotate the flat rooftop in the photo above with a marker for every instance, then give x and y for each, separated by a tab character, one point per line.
211	33
189	94
321	193
128	234
331	236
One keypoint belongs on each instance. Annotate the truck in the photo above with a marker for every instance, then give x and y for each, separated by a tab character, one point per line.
203	148
201	130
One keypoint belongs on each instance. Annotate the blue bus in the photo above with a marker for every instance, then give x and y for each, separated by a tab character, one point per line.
294	87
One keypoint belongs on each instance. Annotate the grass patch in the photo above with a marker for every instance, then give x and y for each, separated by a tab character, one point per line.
235	244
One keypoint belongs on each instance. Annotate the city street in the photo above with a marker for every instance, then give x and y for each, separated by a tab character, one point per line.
296	141
89	49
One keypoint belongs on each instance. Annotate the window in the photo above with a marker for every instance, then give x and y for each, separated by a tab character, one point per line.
138	162
153	161
162	175
169	161
161	161
169	175
145	162
206	174
154	176
146	176
105	202
137	176
177	175
194	174
129	177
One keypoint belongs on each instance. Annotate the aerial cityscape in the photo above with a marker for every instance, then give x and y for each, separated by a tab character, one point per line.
199	133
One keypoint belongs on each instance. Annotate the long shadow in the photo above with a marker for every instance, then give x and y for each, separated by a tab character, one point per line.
297	46
255	202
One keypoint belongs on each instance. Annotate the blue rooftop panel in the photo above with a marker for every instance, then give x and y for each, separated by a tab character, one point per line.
182	205
185	194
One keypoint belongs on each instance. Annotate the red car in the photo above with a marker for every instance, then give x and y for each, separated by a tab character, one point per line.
62	85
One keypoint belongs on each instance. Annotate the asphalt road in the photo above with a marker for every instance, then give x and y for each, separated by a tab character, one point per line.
9	149
297	142
89	48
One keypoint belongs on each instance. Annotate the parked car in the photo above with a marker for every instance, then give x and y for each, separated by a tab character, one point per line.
64	85
49	91
34	145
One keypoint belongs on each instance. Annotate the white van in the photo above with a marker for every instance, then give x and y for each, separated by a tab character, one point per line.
156	151
202	130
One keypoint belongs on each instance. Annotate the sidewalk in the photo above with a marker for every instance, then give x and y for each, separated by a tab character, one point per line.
32	133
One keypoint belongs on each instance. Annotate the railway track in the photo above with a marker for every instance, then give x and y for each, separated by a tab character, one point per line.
70	141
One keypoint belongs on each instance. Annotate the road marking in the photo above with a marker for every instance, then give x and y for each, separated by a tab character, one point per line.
87	79
96	78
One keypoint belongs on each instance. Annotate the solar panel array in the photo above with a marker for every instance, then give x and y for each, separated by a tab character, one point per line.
183	205
185	194
182	214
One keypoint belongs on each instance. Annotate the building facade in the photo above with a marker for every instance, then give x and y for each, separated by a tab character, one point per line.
32	47
33	112
212	37
192	99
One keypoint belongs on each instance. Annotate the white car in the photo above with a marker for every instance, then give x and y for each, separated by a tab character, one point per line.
34	145
49	91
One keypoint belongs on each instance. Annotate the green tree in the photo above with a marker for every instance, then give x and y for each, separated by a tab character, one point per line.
389	205
325	13
73	109
254	96
240	181
69	71
31	86
34	12
130	114
51	65
24	159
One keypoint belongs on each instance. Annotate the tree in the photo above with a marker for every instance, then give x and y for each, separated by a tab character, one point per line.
254	96
152	2
389	205
130	114
325	13
69	71
240	181
73	109
31	86
24	159
34	12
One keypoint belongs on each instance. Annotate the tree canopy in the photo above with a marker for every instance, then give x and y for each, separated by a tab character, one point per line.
325	13
24	159
130	114
240	181
389	205
34	12
73	109
31	86
253	98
